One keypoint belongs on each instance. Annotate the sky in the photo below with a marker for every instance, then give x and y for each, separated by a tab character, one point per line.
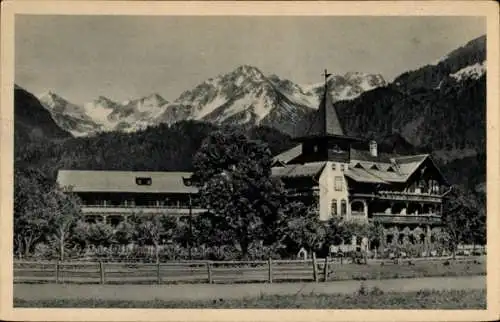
127	57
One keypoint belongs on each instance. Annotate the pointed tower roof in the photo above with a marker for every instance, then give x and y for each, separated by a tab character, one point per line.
325	121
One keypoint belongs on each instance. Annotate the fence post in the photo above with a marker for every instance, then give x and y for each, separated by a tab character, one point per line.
326	269
315	268
101	269
158	277
270	270
209	272
57	272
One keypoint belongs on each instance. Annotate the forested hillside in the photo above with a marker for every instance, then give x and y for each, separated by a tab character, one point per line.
161	148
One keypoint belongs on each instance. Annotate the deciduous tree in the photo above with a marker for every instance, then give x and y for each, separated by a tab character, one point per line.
64	211
233	174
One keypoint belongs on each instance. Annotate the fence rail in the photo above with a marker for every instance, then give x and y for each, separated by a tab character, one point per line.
315	269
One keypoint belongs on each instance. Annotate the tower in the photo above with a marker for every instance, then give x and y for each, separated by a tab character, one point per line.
325	139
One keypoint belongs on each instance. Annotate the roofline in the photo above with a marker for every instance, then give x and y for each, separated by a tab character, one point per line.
427	157
413	156
125	171
439	171
344	137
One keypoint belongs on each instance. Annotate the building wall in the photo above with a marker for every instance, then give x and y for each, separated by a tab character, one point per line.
328	193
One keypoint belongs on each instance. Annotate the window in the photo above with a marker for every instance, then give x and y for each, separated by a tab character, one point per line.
334	166
338	183
343	208
315	148
374	167
334	207
358	165
390	169
342	167
142	181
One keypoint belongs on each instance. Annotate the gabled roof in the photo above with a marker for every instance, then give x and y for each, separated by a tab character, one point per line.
362	175
402	168
124	181
299	170
289	155
408	164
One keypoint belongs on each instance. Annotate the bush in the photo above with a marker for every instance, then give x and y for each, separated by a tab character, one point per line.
362	289
376	291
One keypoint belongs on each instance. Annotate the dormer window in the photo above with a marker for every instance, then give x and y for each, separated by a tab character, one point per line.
374	167
358	166
143	181
390	169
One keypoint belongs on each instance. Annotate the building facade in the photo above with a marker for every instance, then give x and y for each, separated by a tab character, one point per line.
114	196
350	178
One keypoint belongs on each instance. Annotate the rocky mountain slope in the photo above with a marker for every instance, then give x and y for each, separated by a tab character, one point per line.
242	96
32	122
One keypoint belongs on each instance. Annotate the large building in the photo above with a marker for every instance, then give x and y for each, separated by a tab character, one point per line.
336	174
113	196
348	177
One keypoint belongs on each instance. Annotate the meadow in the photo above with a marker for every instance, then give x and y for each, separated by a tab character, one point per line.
364	298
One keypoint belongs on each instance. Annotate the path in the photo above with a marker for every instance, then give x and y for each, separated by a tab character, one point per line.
216	291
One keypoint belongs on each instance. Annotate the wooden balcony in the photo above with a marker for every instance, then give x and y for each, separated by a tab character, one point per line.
129	210
384	218
401	196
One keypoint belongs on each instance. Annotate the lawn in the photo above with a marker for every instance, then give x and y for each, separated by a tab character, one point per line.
407	270
363	299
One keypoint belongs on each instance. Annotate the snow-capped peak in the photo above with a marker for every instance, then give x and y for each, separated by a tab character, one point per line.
243	95
50	98
104	101
474	71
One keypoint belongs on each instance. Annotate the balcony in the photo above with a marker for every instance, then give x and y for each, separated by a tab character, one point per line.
409	196
384	218
122	209
401	196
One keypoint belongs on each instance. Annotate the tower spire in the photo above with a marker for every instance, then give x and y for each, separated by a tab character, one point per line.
326	79
325	122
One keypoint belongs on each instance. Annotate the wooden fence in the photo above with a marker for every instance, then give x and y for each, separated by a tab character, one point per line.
269	271
172	272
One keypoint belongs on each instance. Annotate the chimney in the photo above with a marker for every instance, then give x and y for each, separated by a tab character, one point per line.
373	148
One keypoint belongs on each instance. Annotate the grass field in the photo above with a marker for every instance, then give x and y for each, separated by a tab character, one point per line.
363	299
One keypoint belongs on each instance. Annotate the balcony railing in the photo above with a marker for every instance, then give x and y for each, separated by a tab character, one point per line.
401	196
140	209
172	206
406	219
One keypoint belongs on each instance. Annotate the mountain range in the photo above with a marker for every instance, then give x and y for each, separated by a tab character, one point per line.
243	96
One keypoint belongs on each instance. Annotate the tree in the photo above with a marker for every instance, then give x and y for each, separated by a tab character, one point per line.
153	229
124	233
463	218
233	174
301	227
31	217
80	233
64	210
100	234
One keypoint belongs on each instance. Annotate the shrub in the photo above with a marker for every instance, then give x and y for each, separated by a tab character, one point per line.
362	289
376	291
